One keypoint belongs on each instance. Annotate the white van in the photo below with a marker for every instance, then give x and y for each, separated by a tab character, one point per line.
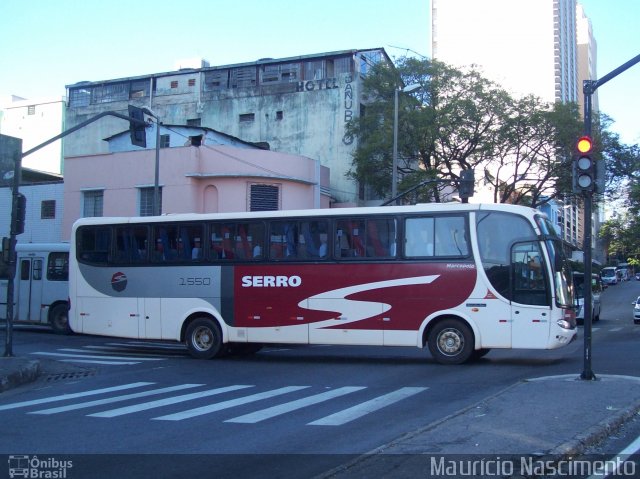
596	291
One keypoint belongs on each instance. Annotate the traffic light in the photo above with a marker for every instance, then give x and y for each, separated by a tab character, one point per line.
137	128
584	170
466	184
21	213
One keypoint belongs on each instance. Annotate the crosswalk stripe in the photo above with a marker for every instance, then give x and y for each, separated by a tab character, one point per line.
293	405
138	344
88	356
99	402
228	404
355	412
64	397
95	361
99	349
165	402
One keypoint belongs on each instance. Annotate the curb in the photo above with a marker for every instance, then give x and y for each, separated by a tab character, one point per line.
28	373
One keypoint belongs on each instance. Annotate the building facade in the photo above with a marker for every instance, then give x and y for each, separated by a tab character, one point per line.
298	105
35	121
201	175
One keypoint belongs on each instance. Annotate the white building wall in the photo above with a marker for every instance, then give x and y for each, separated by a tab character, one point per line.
35	121
37	229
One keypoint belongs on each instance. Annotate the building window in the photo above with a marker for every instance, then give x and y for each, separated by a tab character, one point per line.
31	110
92	203
264	197
192	82
139	89
245	117
279	115
48	209
194	122
165	141
174	84
146	201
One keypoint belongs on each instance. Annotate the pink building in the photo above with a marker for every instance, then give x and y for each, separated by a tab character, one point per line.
192	179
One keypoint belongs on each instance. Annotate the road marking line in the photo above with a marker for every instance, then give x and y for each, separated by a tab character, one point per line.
99	402
139	344
165	402
64	397
615	329
111	349
124	358
623	456
228	404
293	405
93	361
355	412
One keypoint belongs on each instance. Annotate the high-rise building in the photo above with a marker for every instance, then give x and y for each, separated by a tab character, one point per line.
527	46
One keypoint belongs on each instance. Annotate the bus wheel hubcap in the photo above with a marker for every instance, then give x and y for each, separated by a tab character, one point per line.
450	341
203	339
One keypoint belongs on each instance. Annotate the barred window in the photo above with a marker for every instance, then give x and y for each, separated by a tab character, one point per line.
146	201
92	203
48	209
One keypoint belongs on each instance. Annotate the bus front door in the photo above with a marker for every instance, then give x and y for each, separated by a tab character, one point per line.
530	310
29	300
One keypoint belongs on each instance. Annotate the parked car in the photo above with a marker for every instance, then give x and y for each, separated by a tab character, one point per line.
596	291
637	276
636	311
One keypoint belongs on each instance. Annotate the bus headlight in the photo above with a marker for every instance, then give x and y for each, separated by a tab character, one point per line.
564	324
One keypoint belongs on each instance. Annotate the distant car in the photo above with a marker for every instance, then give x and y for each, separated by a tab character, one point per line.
636	311
596	291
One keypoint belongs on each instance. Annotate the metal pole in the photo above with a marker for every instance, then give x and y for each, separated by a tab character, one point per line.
156	183
17	169
587	372
394	164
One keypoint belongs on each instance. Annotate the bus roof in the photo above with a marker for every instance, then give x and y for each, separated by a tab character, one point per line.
42	247
354	211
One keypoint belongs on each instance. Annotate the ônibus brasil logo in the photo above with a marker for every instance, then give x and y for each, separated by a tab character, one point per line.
119	281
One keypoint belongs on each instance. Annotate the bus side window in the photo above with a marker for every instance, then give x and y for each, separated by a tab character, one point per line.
451	239
419	237
350	239
381	238
58	266
284	239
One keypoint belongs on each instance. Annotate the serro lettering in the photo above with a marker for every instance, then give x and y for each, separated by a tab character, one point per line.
271	281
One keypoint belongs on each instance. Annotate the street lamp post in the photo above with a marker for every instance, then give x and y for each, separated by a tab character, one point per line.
394	170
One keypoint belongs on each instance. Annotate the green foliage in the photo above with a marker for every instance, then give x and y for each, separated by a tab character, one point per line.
459	120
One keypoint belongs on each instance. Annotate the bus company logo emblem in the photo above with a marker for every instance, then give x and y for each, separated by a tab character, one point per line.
119	281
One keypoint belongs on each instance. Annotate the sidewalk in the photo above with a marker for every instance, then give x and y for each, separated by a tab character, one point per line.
551	418
16	371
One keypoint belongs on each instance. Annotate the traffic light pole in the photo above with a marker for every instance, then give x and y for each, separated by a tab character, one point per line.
588	88
10	149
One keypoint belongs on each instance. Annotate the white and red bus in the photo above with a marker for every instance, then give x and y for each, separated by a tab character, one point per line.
458	278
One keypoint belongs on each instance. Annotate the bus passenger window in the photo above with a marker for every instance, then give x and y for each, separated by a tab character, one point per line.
419	237
314	238
350	239
284	240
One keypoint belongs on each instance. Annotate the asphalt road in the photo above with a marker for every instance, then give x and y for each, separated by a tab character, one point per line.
286	412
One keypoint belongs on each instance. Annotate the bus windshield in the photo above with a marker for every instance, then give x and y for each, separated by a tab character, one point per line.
559	263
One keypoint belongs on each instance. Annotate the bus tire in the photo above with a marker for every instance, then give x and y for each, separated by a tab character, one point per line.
59	319
204	339
451	342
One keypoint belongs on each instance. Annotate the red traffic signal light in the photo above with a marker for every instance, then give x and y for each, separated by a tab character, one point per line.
584	145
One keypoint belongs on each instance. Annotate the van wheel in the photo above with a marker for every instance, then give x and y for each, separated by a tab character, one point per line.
451	342
59	319
204	339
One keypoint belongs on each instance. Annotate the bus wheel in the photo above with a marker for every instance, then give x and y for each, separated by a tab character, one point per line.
451	342
59	319
204	339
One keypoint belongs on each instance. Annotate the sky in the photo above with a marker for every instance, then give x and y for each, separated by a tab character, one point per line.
48	44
